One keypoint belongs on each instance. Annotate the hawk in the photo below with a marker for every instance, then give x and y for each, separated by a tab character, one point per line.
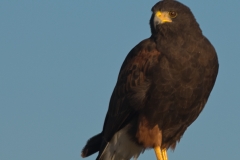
162	87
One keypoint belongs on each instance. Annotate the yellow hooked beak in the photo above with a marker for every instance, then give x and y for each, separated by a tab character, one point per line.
161	17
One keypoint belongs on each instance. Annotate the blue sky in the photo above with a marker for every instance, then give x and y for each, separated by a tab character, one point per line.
59	62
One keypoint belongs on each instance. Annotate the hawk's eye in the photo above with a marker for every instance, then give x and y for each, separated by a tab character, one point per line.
172	14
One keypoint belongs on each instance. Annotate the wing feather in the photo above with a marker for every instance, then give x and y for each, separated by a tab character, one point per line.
131	89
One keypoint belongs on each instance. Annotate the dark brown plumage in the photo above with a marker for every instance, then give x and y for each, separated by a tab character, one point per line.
163	84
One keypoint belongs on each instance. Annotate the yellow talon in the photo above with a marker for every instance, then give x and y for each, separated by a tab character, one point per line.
160	154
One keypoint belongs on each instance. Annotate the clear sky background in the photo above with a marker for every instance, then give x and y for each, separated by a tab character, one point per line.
59	62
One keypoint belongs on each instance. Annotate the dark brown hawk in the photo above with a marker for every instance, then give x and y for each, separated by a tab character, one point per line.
163	85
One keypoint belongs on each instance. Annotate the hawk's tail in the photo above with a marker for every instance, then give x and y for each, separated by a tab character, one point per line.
93	145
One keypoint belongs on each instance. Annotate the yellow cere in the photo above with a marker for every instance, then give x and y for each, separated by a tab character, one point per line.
163	17
158	13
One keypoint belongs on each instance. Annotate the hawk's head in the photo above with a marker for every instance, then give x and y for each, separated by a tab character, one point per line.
170	15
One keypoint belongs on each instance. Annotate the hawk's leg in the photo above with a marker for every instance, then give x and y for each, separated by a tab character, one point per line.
164	154
161	154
